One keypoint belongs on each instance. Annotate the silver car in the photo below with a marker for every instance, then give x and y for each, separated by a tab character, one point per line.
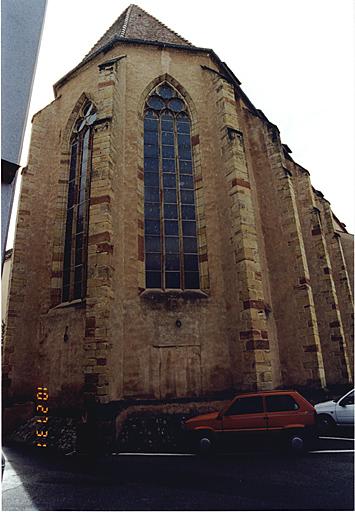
339	412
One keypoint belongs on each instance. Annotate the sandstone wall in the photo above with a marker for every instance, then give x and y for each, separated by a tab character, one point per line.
347	242
265	315
292	303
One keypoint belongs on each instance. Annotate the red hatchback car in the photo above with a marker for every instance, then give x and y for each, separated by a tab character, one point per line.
267	415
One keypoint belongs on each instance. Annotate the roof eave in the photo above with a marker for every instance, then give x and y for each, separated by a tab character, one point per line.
117	40
193	49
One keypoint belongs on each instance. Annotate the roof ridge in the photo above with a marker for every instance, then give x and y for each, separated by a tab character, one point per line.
126	20
96	45
161	23
129	27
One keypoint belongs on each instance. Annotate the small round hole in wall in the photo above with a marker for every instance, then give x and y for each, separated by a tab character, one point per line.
178	323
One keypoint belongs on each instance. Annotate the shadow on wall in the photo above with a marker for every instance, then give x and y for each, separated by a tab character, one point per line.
135	428
128	427
13	417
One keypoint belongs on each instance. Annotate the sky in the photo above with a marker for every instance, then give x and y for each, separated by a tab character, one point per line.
295	59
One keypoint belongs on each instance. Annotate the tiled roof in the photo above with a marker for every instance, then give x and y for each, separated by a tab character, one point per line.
135	23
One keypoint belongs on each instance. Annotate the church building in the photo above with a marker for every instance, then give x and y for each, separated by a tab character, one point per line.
167	244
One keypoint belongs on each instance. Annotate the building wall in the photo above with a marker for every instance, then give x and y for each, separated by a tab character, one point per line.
347	243
21	28
5	282
292	302
7	195
259	321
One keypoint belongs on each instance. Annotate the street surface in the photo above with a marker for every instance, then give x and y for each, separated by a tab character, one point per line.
244	480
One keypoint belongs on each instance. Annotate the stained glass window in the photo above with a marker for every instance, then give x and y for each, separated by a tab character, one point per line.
75	240
171	249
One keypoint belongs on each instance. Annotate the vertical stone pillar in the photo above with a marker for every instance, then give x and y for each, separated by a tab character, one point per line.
325	297
288	274
28	280
253	332
18	282
100	242
344	305
306	342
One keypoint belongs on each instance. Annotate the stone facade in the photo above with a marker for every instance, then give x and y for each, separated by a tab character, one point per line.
275	304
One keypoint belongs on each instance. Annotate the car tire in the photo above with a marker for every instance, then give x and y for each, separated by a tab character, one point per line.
205	443
297	442
325	424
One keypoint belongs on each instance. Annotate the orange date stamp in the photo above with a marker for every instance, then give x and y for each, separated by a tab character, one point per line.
42	413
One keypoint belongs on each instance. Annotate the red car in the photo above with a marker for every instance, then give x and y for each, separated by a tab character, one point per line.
265	415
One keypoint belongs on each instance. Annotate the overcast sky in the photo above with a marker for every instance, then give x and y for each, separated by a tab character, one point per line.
295	59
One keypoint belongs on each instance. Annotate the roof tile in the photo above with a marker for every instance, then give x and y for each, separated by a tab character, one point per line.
135	23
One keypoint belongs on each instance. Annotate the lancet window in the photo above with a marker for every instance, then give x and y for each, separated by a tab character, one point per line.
170	237
77	210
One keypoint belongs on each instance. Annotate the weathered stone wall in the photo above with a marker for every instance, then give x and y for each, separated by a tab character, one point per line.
292	304
30	279
268	313
321	282
344	303
347	243
164	360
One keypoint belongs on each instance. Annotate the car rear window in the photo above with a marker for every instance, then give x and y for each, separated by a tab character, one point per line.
277	403
246	405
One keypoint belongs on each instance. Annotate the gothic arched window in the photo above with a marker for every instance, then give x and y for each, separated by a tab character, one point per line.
77	211
170	238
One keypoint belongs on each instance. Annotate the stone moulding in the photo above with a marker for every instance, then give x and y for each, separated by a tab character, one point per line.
164	296
111	62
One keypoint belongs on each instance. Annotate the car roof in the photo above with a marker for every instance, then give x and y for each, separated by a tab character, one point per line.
267	392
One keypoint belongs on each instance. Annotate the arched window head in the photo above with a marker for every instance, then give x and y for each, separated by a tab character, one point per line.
76	227
170	236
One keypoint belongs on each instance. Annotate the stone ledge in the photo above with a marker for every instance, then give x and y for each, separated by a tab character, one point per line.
78	303
165	295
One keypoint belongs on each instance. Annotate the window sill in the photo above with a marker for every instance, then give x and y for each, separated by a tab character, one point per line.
156	294
77	303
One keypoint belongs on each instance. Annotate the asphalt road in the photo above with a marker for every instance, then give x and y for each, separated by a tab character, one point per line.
244	480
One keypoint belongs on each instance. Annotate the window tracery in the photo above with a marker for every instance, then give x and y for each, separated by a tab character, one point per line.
171	253
77	210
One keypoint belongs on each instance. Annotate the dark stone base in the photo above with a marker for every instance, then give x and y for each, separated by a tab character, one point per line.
139	425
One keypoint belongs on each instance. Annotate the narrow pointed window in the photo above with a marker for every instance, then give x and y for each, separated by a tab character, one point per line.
77	212
171	255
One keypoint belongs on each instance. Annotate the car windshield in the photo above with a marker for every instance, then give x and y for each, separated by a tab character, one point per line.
342	396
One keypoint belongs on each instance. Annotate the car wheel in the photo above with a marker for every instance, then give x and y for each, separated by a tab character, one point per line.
297	442
325	424
205	443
